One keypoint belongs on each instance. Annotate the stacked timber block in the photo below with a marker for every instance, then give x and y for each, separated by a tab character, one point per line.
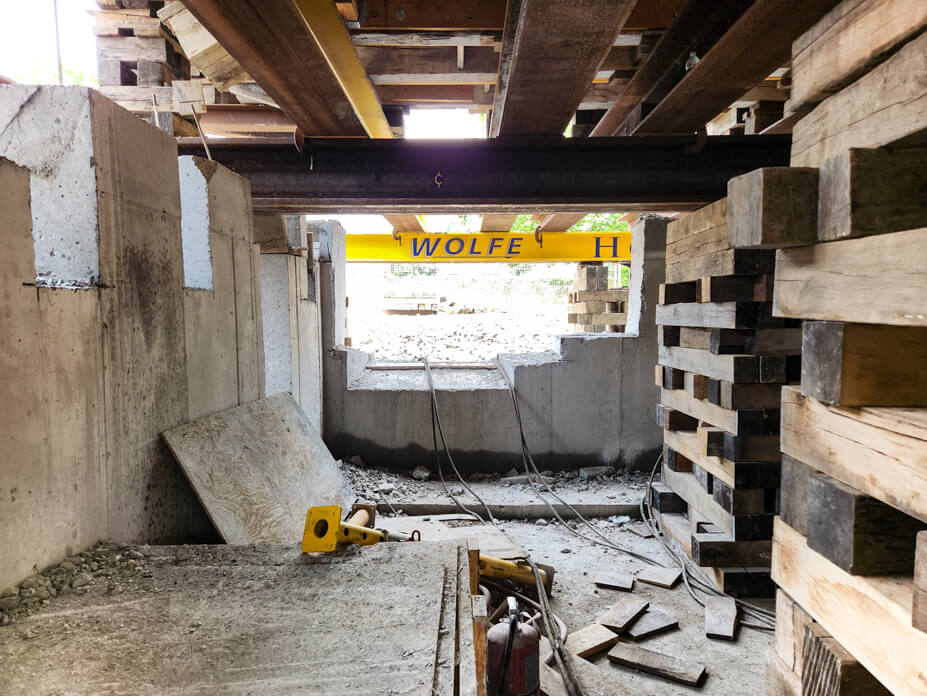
138	60
723	359
593	306
849	548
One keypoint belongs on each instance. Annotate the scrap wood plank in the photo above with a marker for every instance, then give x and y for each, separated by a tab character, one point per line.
257	469
591	640
652	662
880	451
889	647
623	613
615	581
659	576
872	280
720	617
653	621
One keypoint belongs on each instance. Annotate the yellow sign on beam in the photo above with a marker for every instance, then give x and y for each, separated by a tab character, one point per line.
502	247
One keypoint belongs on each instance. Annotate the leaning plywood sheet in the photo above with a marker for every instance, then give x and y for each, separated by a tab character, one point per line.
234	620
257	469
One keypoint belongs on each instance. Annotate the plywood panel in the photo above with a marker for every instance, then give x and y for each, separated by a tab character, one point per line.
257	469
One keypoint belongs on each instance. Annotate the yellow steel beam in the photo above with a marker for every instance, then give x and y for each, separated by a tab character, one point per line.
326	25
502	247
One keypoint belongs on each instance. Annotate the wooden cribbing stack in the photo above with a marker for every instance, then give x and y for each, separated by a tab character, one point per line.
593	306
723	359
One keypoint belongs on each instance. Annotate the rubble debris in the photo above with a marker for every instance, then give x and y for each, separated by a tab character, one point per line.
421	473
590	473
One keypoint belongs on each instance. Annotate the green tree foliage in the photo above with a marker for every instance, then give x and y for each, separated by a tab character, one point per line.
601	222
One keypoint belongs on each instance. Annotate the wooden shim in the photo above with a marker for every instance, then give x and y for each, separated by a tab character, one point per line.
793	494
720	617
919	610
873	280
846	43
591	640
719	551
830	669
858	533
730	368
623	613
881	107
656	663
659	576
773	207
889	647
872	191
880	451
864	365
653	621
614	581
721	263
257	469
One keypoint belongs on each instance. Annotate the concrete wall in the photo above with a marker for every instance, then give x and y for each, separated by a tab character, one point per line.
291	323
222	296
589	401
93	356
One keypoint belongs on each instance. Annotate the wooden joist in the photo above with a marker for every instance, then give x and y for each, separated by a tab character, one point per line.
726	71
718	315
559	222
863	364
883	106
550	60
773	207
731	368
846	42
725	262
856	532
876	280
880	451
433	65
869	616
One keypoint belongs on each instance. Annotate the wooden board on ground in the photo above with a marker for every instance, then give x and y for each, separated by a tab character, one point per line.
615	581
720	617
880	451
178	623
591	640
458	528
661	577
653	621
623	613
872	280
257	469
665	666
889	647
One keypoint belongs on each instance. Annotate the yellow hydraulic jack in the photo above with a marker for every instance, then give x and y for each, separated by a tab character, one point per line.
325	530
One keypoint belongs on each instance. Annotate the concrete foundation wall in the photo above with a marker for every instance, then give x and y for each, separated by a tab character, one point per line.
224	345
589	401
291	322
92	373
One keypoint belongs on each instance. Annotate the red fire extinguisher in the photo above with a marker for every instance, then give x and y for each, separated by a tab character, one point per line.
512	666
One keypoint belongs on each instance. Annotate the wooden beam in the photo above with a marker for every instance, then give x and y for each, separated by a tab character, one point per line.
423	39
880	451
270	40
846	43
773	207
889	647
555	53
727	71
428	94
697	25
415	15
559	222
858	533
881	107
405	223
877	280
864	364
497	223
435	65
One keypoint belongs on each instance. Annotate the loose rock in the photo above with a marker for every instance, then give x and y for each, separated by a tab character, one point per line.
421	473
